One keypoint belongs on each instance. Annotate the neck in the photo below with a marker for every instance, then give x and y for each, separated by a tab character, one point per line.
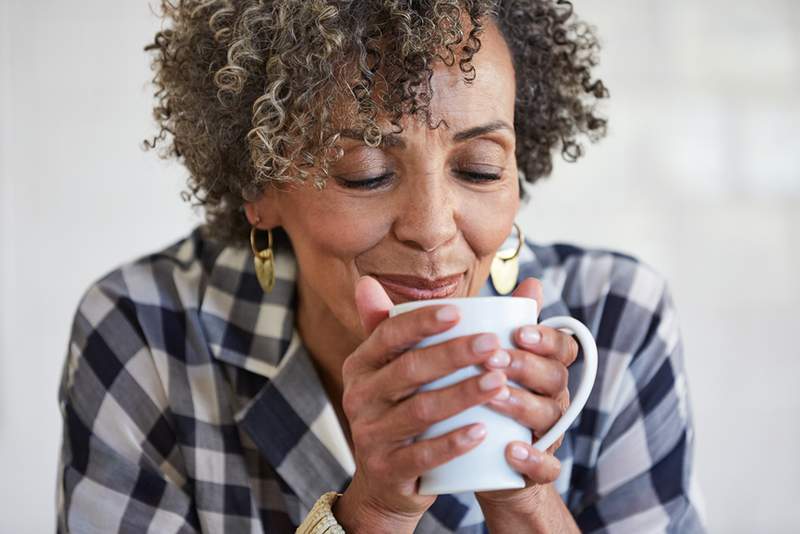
327	340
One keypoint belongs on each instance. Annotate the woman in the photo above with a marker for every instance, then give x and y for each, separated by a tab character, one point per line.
373	152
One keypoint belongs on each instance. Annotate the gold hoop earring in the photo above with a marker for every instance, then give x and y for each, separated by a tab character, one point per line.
263	260
505	268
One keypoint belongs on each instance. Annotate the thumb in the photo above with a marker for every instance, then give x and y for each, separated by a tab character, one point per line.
531	288
372	303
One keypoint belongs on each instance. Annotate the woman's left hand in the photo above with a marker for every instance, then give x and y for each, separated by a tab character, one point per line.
540	367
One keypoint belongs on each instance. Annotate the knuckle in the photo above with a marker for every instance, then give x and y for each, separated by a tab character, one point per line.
574	348
428	322
409	367
423	457
556	342
555	410
561	378
511	408
348	403
387	335
422	408
351	401
526	409
539	412
520	410
545	471
554	469
454	442
347	367
528	361
516	406
548	341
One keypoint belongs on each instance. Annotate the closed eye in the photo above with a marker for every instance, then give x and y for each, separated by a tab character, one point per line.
379	181
367	183
478	176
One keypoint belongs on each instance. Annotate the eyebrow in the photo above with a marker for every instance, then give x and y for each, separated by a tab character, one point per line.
391	140
478	131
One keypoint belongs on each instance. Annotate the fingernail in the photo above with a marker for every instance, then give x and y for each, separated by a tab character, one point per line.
447	314
530	335
504	394
492	380
485	343
519	452
500	359
476	432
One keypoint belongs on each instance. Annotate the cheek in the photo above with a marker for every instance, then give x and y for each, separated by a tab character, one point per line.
327	239
485	229
326	249
331	230
488	221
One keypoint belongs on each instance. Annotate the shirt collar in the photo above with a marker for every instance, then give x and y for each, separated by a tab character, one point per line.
244	325
290	418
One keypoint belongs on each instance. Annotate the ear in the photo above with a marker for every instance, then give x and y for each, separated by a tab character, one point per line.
264	212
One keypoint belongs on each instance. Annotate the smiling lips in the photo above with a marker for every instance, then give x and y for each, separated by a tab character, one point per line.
402	288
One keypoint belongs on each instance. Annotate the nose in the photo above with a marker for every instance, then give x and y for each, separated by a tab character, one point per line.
426	218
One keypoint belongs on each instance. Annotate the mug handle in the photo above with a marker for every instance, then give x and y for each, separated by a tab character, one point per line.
577	403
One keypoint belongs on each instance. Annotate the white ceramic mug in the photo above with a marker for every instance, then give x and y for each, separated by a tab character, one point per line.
485	468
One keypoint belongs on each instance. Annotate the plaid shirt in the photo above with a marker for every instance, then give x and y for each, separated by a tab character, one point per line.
190	404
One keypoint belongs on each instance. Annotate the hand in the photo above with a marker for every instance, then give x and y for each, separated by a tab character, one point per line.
385	411
540	367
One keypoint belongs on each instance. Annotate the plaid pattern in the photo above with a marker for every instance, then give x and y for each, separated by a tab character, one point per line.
190	404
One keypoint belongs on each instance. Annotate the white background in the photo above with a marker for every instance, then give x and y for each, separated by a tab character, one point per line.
699	176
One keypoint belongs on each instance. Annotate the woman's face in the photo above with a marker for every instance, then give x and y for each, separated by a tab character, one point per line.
425	212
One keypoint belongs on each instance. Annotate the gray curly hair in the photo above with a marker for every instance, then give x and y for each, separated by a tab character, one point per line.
247	91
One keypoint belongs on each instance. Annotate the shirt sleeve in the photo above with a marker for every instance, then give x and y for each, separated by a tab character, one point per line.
120	469
643	481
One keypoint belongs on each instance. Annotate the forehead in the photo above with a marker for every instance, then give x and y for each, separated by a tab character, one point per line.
490	95
488	98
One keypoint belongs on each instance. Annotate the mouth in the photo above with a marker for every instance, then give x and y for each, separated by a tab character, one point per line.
404	288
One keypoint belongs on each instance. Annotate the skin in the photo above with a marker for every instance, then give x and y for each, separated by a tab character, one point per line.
429	218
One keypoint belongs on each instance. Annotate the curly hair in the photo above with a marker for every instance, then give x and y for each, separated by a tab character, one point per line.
246	91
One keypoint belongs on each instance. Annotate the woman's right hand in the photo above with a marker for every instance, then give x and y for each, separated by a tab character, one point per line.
385	411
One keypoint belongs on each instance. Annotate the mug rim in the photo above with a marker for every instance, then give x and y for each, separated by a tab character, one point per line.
404	307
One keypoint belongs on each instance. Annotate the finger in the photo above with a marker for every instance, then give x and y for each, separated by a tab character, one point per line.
416	414
421	456
406	373
539	467
543	375
537	412
372	303
400	333
547	341
531	288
